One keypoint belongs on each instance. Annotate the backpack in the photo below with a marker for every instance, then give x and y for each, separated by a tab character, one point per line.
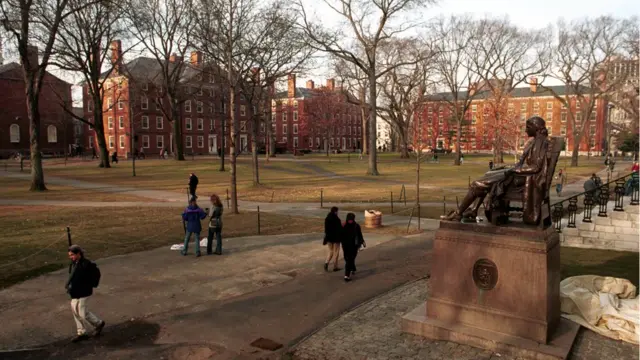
94	273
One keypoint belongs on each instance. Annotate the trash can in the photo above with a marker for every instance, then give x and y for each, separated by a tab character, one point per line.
372	219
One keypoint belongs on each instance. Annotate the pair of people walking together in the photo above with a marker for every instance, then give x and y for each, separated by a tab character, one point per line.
347	235
193	214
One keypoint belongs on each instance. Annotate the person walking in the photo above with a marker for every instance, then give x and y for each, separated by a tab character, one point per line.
84	275
332	238
193	184
351	240
561	180
114	158
461	159
192	215
93	153
142	156
215	225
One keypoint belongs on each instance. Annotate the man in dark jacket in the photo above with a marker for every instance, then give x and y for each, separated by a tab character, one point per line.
193	184
83	277
352	240
192	215
332	237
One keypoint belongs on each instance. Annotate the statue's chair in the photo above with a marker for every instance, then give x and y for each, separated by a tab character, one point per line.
516	193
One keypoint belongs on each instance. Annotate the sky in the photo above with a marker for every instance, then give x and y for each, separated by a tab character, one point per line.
528	14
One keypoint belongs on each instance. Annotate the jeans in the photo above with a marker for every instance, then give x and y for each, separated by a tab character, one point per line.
187	236
218	234
192	191
558	188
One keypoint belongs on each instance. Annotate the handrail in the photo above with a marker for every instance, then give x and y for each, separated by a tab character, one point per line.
584	192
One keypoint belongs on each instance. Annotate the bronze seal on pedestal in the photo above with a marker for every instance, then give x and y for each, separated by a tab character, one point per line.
485	274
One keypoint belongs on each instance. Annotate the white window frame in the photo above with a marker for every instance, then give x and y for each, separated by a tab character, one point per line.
284	129
112	142
159	120
285	140
122	142
109	103
160	144
145	140
145	122
200	124
188	142
159	103
144	102
243	110
199	107
120	105
295	141
211	125
110	123
187	124
549	105
90	142
187	106
200	142
295	129
295	115
14	133
284	116
120	122
145	86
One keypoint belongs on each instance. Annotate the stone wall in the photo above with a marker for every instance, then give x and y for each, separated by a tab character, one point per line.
618	231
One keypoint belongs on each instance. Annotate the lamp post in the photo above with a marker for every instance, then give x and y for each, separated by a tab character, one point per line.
608	129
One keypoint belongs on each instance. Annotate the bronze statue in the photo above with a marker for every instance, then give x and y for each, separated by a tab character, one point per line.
530	175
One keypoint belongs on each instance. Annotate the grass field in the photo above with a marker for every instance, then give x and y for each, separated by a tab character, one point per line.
34	239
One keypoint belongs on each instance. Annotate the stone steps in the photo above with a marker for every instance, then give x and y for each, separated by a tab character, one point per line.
620	230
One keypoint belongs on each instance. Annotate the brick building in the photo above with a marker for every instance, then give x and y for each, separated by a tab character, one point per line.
439	133
56	126
288	107
134	91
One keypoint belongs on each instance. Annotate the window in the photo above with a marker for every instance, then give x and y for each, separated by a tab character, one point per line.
210	108
145	86
200	124
358	130
159	122
577	104
211	125
200	90
211	79
145	122
536	107
284	139
109	103
474	108
253	110
211	92
145	141
592	130
112	143
200	141
563	106
295	129
14	133
199	107
549	116
295	142
120	122
473	119
579	116
243	110
331	142
563	130
158	104
284	128
440	121
317	141
523	107
563	116
593	116
121	141
144	101
90	141
243	126
159	90
90	105
549	105
110	122
295	115
188	142
187	106
120	105
160	141
284	116
187	123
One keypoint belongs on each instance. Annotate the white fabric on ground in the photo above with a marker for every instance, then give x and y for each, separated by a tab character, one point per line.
606	305
203	242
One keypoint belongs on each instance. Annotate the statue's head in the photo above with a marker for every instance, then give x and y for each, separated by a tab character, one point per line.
536	125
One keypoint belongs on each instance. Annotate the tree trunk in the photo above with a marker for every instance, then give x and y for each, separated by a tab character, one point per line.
223	140
37	172
267	137
233	146
98	122
456	160
373	156
575	150
177	130
254	150
404	149
363	117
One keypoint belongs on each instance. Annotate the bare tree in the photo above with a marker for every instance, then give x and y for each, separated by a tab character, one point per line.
80	49
626	96
354	80
371	23
163	27
582	62
32	23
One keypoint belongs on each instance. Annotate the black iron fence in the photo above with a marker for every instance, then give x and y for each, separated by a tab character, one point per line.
597	197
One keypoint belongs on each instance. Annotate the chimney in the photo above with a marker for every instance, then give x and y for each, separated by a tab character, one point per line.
196	58
310	84
331	84
533	83
32	57
173	57
255	72
291	86
116	54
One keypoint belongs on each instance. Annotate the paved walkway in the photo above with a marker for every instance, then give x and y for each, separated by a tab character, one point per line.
372	331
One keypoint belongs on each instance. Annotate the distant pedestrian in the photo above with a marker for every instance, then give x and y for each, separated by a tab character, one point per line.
461	159
193	184
142	152
352	240
114	157
215	225
635	167
192	215
84	275
360	154
332	238
490	164
219	152
560	180
93	154
161	153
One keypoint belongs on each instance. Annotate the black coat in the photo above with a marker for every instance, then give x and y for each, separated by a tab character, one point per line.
332	228
80	283
351	238
193	181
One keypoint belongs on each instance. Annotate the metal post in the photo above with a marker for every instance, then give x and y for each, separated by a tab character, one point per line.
588	205
410	217
258	220
604	198
444	205
392	201
557	216
69	235
273	192
321	198
635	185
619	195
21	163
573	208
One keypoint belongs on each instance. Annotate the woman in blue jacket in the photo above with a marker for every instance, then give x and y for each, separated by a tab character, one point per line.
192	215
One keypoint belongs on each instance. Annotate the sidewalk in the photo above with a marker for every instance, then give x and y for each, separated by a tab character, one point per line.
372	331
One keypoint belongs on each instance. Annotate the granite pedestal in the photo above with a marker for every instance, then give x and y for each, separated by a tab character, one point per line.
495	288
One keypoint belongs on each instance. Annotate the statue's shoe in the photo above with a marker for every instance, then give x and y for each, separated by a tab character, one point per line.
452	216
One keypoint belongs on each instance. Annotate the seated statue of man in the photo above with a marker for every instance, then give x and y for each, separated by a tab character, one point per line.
496	183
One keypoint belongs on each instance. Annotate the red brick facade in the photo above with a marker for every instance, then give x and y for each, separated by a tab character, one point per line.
56	126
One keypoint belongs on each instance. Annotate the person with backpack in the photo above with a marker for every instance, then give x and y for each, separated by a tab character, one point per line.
192	215
332	232
84	276
351	240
